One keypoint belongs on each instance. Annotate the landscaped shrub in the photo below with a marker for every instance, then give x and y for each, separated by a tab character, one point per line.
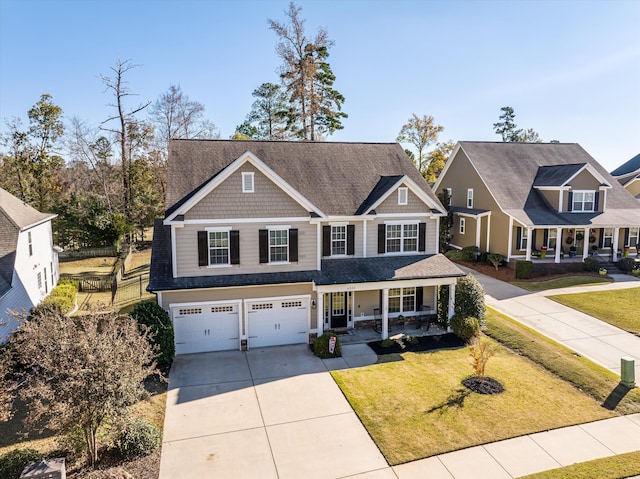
64	295
138	438
470	253
591	264
454	255
465	327
626	264
469	298
523	269
321	347
494	260
13	462
152	315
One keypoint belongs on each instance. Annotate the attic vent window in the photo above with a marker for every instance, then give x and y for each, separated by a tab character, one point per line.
247	182
403	196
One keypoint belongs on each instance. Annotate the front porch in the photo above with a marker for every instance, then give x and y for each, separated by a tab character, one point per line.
369	334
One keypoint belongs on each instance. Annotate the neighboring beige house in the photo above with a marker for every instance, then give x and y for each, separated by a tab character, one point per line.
629	176
527	200
28	259
269	243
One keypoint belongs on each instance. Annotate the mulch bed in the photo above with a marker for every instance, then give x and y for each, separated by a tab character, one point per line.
424	343
484	385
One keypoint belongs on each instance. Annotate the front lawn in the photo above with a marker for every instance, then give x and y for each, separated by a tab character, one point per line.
562	282
616	307
414	406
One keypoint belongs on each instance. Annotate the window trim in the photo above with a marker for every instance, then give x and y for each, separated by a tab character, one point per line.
245	176
636	236
450	193
224	229
606	237
270	246
549	238
403	196
469	198
401	296
344	241
462	226
402	238
30	242
524	238
583	193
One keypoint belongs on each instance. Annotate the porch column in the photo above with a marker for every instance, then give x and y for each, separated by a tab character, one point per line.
320	313
488	232
585	243
614	247
558	244
478	227
385	313
452	303
529	238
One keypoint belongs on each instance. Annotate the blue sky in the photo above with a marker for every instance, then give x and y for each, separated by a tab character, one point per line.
570	69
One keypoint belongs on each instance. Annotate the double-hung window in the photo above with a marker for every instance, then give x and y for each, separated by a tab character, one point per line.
607	238
583	201
470	198
634	237
402	238
402	300
463	224
552	238
338	240
29	239
524	238
278	245
219	247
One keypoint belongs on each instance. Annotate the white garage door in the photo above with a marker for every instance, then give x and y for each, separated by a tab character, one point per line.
201	328
275	322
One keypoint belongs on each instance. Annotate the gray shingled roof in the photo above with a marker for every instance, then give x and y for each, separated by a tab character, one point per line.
338	178
556	175
348	270
633	165
510	169
15	216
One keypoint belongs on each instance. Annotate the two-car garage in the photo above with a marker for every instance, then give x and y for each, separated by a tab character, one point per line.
219	326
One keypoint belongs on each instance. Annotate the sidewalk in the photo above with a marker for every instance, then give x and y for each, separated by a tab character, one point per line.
599	341
532	453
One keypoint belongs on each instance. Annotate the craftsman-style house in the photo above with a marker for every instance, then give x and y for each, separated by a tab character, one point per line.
269	243
541	201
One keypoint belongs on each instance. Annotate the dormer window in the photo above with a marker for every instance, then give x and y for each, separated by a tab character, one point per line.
247	182
403	196
583	201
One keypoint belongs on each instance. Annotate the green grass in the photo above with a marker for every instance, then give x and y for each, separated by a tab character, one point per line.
616	307
414	406
615	467
564	282
89	266
593	379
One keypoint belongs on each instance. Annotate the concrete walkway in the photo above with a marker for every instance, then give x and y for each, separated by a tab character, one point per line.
599	341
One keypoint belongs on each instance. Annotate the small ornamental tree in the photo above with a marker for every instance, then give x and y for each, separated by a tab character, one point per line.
77	372
481	349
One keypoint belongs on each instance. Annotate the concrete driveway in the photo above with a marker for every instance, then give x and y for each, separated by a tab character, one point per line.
265	413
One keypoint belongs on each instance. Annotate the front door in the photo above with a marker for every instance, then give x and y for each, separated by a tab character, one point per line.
338	310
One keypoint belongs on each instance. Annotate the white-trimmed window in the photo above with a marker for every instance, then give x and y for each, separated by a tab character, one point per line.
402	238
634	237
403	195
278	245
583	201
219	254
30	243
402	300
39	280
450	193
524	238
463	225
470	198
338	240
46	281
607	238
552	238
247	182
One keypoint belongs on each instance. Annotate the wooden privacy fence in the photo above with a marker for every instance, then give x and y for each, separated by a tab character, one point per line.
89	252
